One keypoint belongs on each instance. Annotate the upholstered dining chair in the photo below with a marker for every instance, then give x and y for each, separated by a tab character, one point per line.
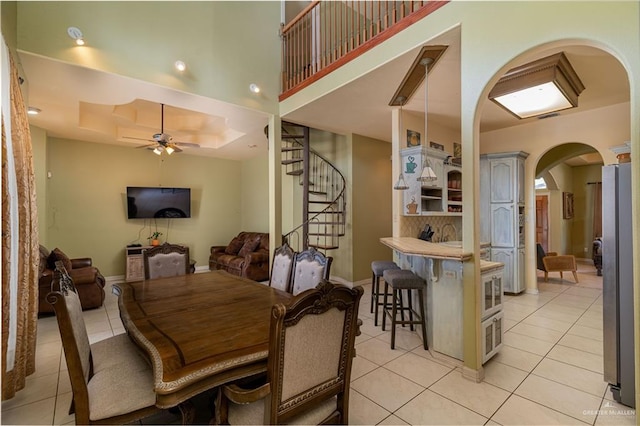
112	383
166	260
311	348
309	269
282	268
552	262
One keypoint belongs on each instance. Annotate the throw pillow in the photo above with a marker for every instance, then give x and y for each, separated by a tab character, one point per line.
234	246
249	247
56	255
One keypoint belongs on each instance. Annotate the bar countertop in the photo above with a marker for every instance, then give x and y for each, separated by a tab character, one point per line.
417	247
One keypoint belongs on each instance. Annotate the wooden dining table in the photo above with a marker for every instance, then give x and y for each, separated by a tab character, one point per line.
199	331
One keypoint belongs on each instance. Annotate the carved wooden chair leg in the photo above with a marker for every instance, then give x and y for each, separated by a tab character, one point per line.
187	411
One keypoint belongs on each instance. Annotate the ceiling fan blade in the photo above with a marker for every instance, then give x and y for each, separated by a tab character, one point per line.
138	139
147	145
189	144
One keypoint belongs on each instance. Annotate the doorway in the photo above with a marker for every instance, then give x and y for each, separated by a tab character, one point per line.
542	221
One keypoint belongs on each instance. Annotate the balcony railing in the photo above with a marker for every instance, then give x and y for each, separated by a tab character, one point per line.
328	34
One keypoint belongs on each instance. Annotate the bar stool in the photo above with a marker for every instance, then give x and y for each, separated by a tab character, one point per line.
377	268
402	279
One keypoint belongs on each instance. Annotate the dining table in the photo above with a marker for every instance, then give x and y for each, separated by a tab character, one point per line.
198	331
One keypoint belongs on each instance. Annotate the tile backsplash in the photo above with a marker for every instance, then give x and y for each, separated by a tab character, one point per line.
411	226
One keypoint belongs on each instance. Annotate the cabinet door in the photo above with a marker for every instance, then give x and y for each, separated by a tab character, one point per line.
491	293
503	182
520	179
492	333
506	256
502	225
411	168
519	282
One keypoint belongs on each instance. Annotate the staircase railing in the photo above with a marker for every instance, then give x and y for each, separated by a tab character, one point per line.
324	210
328	34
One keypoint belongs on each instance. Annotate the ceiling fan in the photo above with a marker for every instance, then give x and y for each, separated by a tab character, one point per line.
163	142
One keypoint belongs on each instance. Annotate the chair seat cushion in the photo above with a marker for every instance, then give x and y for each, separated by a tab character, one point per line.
253	413
402	278
122	380
379	266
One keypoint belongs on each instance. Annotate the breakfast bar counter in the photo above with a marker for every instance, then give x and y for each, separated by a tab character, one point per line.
417	247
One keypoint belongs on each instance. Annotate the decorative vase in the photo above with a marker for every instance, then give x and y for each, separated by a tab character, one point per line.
155	242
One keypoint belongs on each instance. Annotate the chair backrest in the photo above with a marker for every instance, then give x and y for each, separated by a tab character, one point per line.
540	255
311	350
311	267
282	268
166	260
75	341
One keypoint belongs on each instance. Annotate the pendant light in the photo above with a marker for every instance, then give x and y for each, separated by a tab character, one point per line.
427	175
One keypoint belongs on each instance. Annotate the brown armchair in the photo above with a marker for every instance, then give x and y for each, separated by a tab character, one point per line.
87	279
247	255
552	262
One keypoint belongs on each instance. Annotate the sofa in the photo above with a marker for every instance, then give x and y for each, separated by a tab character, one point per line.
87	279
246	255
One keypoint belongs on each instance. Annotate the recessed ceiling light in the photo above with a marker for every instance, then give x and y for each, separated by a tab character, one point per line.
253	145
180	66
254	88
33	111
76	34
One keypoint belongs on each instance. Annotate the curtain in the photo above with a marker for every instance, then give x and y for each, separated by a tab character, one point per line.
20	259
597	209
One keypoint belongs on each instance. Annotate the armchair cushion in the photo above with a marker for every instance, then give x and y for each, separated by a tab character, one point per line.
247	255
56	255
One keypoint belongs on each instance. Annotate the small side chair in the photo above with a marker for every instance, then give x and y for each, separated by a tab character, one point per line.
166	260
281	268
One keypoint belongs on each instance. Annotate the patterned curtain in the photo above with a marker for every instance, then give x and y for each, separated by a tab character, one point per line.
20	257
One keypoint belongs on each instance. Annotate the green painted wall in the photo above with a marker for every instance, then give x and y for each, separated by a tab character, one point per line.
254	203
39	146
8	22
582	223
86	203
371	203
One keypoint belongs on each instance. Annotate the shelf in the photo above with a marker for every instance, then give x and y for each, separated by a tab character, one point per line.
454	203
430	197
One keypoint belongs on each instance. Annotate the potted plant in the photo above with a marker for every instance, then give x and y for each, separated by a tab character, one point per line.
154	238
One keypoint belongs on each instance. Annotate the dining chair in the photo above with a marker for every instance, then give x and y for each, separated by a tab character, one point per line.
282	268
112	382
166	260
311	348
310	268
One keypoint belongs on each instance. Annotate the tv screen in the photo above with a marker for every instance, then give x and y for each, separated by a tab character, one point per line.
152	202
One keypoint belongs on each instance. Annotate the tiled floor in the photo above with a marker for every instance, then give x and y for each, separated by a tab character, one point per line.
548	372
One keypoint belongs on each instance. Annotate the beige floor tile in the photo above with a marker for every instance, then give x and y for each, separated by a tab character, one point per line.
517	358
526	343
96	337
559	308
582	343
98	327
36	389
562	398
584	292
555	314
62	416
369	328
46	350
46	365
363	411
570	300
64	382
590	321
378	351
36	413
418	369
552	324
578	358
551	287
588	332
520	411
360	367
536	332
393	420
405	338
615	414
573	376
386	388
508	324
483	398
503	376
429	408
533	300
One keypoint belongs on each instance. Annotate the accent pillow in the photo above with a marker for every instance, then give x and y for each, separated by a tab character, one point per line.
249	247
56	255
234	246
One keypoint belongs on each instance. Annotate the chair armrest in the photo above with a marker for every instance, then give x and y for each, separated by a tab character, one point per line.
82	262
257	257
217	249
552	253
238	395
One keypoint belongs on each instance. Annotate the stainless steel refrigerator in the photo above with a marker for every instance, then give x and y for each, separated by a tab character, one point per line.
617	262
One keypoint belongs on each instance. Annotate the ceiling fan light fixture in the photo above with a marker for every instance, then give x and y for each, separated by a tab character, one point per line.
254	88
158	150
180	65
169	150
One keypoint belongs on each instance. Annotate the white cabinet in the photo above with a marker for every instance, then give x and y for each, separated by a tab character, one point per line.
134	263
492	332
492	293
423	198
502	182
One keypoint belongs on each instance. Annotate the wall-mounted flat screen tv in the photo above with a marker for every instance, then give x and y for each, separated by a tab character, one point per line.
158	202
